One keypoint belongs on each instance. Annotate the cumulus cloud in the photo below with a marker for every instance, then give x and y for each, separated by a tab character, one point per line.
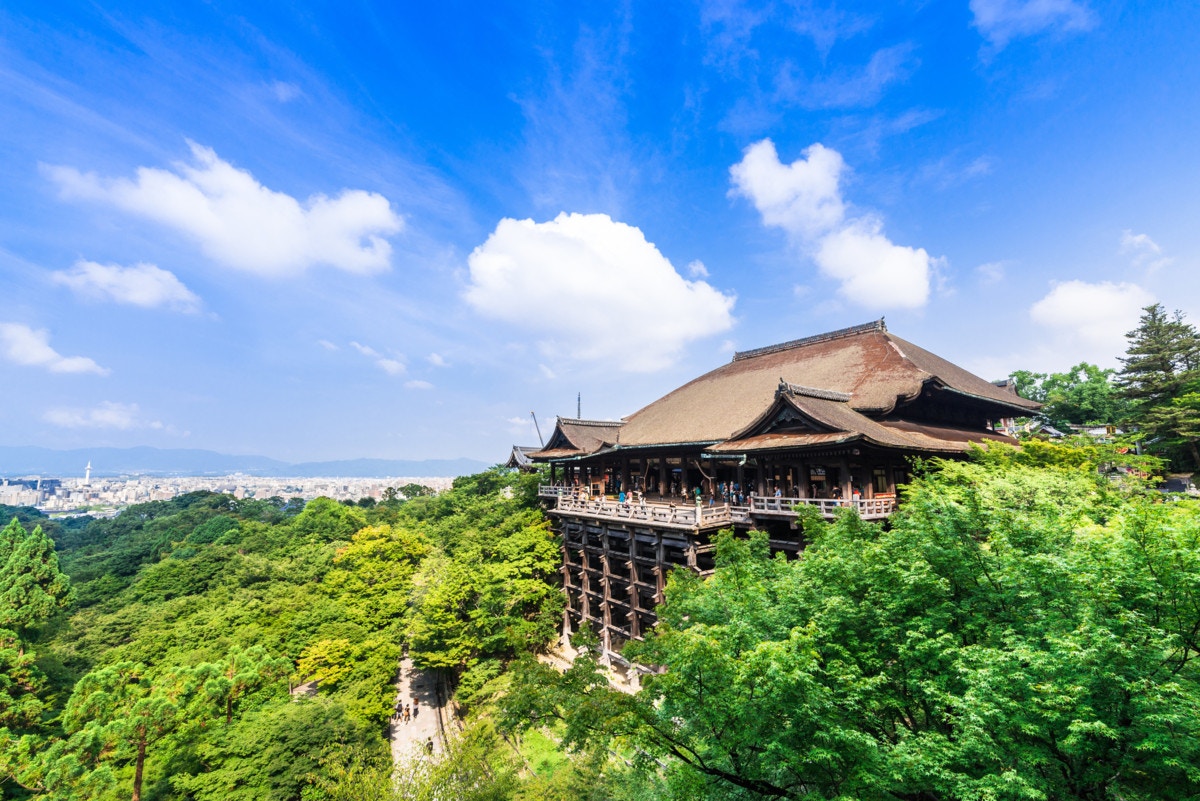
1091	319
242	224
121	416
594	289
25	346
142	285
386	363
1001	21
804	199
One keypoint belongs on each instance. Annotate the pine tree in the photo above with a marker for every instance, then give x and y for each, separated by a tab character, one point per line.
1161	368
32	588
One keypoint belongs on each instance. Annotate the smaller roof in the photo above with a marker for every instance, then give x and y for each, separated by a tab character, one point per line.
575	437
519	458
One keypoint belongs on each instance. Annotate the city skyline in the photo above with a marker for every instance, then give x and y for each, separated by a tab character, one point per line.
392	232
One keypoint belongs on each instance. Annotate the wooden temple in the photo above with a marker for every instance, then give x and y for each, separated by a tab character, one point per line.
830	421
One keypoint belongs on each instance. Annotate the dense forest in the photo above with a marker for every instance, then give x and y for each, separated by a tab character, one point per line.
152	654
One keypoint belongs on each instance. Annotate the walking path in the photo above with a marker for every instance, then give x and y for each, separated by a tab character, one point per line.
414	736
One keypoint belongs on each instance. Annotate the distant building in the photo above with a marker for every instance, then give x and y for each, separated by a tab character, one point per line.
827	421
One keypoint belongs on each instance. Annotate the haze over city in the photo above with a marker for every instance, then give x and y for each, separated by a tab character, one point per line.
392	231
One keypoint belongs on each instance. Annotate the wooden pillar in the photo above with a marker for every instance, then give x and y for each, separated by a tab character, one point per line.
741	477
805	478
625	485
663	482
844	476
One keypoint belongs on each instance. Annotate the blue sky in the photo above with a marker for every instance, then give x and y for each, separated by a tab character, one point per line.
393	230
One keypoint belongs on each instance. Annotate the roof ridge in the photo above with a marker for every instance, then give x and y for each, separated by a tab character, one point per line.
875	325
812	392
581	421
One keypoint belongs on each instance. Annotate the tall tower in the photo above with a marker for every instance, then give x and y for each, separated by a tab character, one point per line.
87	474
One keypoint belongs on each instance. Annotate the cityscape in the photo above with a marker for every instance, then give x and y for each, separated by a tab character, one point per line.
105	497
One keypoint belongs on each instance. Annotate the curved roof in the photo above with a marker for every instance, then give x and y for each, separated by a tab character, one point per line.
575	437
875	368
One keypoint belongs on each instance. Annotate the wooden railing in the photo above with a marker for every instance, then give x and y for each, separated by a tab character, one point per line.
868	508
663	514
570	499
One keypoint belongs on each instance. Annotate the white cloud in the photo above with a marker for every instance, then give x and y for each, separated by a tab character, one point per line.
142	285
802	198
805	200
696	269
122	416
1001	21
874	273
242	224
991	273
25	346
388	365
436	360
594	289
417	383
327	345
1090	320
1145	252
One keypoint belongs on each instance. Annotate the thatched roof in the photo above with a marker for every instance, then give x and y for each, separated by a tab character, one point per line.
575	437
876	370
818	420
519	458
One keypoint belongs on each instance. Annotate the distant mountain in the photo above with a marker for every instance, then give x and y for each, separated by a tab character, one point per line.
31	461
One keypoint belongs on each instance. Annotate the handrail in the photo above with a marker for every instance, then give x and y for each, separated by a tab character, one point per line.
868	508
692	516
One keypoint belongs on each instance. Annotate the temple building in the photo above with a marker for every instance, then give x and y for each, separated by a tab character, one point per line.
829	421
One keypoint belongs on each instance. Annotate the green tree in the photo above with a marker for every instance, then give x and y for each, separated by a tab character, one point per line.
32	588
274	753
1084	395
113	717
1161	367
240	673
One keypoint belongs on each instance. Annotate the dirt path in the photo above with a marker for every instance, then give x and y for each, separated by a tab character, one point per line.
415	736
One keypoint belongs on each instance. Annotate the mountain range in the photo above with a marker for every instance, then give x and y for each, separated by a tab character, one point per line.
17	461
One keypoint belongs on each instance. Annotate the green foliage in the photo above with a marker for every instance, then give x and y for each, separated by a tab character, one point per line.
274	754
32	588
1084	395
1160	375
1018	631
195	612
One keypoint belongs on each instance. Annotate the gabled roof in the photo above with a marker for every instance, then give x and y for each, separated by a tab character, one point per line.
876	370
575	437
519	458
801	417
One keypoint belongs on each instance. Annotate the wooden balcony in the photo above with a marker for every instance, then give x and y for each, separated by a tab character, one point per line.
661	515
699	516
868	508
